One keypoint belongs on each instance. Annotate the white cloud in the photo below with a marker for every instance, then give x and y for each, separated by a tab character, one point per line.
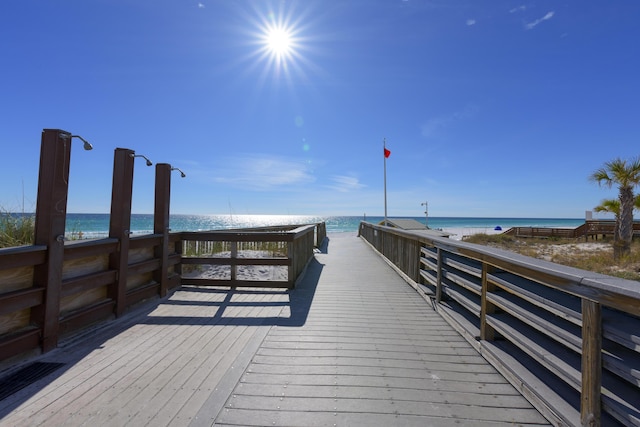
533	24
264	173
435	124
518	9
200	5
471	22
346	183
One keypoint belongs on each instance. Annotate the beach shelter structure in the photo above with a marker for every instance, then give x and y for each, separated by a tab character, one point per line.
413	225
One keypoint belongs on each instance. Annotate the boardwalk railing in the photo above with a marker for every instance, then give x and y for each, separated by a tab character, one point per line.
283	252
98	281
93	287
568	233
56	288
568	339
591	228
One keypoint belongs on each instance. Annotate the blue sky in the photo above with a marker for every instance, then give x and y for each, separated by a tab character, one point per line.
489	108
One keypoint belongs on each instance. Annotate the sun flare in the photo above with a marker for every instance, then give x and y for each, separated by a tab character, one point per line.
279	41
281	44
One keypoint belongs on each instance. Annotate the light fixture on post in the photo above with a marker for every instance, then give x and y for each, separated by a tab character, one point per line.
144	157
161	227
426	213
64	136
49	231
87	145
182	174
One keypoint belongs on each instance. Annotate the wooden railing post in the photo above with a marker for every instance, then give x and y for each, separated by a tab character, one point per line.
486	331
120	223
590	405
321	233
161	223
416	248
234	255
439	276
291	256
51	215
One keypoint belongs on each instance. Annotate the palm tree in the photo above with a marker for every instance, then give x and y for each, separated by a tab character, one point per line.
611	206
625	175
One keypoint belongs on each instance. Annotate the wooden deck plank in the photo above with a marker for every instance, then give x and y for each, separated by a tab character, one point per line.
322	419
145	388
157	368
120	379
184	364
367	362
420	350
396	393
397	357
99	370
188	380
436	383
367	330
382	404
351	345
118	372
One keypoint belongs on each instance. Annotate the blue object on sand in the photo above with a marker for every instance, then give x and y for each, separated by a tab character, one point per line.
498	228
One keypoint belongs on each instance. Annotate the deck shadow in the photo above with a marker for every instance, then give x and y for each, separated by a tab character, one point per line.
299	303
324	246
75	349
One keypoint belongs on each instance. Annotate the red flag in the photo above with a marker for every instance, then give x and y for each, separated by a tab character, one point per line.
387	153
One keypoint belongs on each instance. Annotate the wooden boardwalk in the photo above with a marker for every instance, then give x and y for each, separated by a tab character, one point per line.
352	345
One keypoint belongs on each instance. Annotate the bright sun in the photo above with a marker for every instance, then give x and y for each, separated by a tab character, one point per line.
279	41
280	45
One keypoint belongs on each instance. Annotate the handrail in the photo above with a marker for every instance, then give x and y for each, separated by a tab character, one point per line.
20	256
591	227
295	243
98	281
565	335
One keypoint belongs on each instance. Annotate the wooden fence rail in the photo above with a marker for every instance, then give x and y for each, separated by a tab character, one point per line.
568	233
591	228
87	292
286	249
568	339
56	288
90	291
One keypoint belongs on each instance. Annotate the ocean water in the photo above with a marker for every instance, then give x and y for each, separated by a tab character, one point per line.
97	225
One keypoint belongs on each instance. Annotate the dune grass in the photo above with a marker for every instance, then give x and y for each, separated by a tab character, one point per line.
16	229
596	257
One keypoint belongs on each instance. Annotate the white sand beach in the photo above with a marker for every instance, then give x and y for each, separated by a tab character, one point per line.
461	232
243	272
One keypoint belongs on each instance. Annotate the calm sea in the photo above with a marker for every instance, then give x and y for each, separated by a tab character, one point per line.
97	225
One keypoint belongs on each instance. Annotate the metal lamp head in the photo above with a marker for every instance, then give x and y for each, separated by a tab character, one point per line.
144	157
87	146
182	174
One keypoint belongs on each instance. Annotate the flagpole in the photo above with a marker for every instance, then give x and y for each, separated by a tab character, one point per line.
384	148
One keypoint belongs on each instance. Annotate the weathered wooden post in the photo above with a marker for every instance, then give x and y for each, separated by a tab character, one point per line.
234	256
591	406
120	223
51	215
161	223
439	277
486	308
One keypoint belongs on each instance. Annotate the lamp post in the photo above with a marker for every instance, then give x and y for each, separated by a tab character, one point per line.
161	222
426	213
120	222
49	229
